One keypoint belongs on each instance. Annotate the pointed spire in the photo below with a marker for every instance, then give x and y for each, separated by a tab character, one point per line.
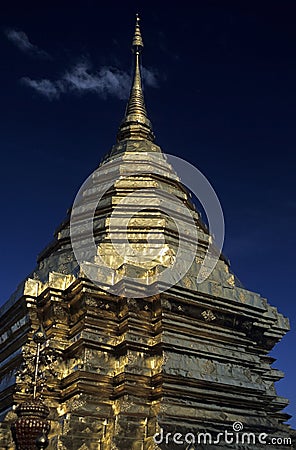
136	124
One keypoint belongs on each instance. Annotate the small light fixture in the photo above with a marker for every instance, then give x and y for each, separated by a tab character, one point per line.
42	442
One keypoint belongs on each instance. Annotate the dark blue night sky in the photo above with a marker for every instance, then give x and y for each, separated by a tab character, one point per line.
220	91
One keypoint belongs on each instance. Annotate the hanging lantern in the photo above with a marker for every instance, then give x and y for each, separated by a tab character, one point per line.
31	425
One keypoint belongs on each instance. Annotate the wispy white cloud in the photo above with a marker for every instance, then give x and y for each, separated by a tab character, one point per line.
21	40
81	79
49	89
150	77
108	81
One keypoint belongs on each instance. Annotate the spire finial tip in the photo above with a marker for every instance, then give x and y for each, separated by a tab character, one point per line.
136	124
137	41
